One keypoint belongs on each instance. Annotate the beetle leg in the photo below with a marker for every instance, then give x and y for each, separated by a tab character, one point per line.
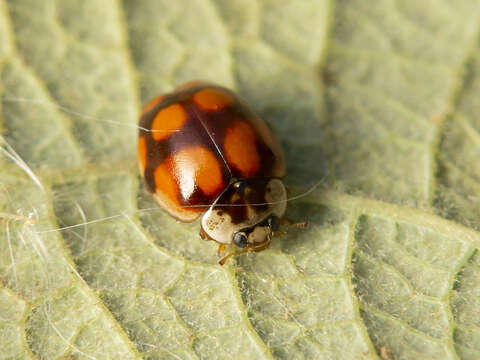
223	260
221	248
204	235
256	248
262	246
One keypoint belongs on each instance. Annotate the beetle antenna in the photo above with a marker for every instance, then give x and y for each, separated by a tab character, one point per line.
302	224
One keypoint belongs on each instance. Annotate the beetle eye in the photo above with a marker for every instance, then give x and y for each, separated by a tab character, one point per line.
240	239
274	223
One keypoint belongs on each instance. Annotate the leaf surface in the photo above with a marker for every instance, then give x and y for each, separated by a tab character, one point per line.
378	103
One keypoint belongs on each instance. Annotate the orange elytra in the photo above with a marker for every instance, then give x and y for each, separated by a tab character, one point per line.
240	148
167	121
202	150
212	99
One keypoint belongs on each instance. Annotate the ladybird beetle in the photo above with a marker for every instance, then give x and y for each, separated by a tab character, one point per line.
202	150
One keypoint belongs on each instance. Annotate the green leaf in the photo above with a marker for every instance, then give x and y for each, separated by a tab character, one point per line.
375	101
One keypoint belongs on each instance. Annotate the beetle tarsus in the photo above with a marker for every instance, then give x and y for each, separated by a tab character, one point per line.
256	248
221	249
